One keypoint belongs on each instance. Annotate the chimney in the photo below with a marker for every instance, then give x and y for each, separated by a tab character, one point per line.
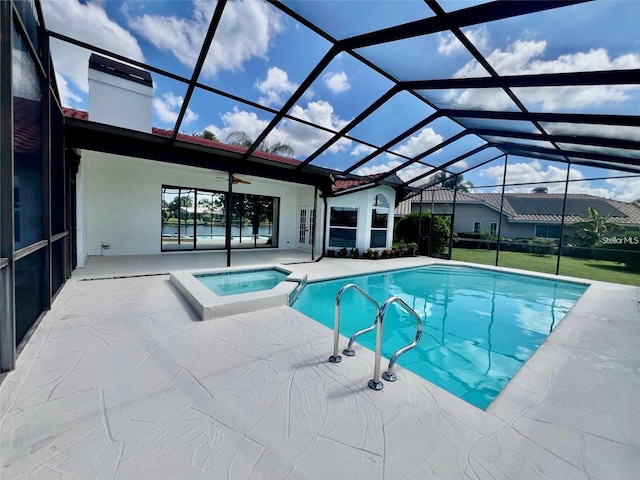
119	94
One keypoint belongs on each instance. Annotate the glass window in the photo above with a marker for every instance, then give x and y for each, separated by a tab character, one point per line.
197	219
178	217
343	227
476	227
211	216
30	291
58	224
344	217
341	237
548	231
29	16
378	239
494	228
254	221
379	222
28	155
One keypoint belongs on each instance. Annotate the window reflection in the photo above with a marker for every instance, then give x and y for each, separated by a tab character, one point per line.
28	155
196	219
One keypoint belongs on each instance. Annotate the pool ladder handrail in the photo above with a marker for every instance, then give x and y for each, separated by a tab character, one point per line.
336	358
375	383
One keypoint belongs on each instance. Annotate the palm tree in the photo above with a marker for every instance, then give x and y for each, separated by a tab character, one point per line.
241	139
206	134
594	226
451	182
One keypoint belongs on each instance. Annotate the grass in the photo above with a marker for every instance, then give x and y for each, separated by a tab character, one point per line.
573	267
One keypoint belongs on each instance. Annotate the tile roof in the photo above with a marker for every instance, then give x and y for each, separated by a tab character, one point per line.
194	139
521	207
27	130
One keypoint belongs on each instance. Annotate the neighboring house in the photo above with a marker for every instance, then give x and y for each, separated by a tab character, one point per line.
524	215
128	205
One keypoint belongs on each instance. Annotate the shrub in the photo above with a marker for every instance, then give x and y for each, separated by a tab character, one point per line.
542	246
627	251
406	230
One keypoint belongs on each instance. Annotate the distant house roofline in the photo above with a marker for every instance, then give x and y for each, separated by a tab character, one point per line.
524	211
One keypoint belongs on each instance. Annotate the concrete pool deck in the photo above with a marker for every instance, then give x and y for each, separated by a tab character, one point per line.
121	380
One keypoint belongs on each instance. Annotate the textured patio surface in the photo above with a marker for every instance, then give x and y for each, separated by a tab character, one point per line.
120	380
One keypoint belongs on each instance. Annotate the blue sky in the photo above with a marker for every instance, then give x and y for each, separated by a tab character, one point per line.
262	55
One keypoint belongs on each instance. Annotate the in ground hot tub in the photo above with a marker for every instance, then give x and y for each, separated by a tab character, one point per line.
221	292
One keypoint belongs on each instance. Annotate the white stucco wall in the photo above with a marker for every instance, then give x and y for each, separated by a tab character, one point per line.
120	102
121	201
363	200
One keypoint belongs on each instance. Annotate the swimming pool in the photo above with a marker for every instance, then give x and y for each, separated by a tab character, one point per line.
233	283
223	292
479	325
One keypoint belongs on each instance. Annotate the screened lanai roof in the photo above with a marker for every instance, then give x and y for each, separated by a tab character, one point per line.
377	89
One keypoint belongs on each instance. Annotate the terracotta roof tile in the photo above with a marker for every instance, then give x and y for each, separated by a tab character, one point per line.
79	114
27	127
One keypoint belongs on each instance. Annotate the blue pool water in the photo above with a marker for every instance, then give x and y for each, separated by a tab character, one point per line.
480	325
233	283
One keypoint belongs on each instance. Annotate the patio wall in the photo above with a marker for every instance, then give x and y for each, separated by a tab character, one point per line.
120	202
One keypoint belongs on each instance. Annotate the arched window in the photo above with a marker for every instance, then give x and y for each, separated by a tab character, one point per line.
379	221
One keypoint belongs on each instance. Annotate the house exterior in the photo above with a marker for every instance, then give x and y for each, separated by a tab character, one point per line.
520	215
131	205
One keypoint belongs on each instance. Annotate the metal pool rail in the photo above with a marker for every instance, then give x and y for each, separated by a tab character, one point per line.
374	383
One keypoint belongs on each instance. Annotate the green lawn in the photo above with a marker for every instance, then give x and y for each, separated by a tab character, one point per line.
572	267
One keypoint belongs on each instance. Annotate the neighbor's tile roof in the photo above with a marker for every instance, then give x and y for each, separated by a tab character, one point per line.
630	213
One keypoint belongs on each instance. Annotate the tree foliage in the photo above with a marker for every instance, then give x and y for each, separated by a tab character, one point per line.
413	229
452	182
241	139
206	134
590	230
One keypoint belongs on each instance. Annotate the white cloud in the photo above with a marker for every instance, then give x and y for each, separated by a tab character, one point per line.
235	120
337	82
361	150
405	174
319	113
530	172
524	57
168	107
461	165
303	139
448	44
275	86
622	189
597	130
380	168
67	95
88	22
245	32
412	171
417	144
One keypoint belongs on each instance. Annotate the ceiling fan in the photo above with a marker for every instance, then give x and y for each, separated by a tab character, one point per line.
236	180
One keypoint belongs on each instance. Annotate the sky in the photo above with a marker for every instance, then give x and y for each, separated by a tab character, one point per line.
262	55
